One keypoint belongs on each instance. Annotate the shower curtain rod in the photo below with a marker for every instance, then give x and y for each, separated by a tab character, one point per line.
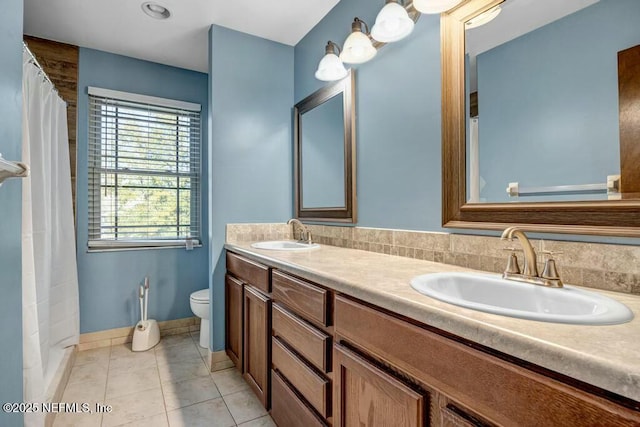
34	60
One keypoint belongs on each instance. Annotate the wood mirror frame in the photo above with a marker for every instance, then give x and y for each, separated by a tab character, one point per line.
611	217
346	214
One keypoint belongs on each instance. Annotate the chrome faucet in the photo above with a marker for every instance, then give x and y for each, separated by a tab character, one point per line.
305	233
549	277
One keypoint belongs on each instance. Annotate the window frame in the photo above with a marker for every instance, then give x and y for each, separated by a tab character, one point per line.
95	173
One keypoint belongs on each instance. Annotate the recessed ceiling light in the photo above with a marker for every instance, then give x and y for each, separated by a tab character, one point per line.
156	11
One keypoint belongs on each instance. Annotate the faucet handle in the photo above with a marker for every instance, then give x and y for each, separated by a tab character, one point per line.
550	272
512	262
550	254
512	249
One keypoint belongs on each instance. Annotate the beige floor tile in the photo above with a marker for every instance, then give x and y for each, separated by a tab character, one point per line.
124	350
182	370
212	413
177	353
225	364
120	384
134	407
196	340
244	406
77	420
187	392
229	381
128	363
97	355
204	352
265	421
159	420
174	340
91	372
90	392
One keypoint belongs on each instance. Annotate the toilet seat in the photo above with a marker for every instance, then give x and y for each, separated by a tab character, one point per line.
201	297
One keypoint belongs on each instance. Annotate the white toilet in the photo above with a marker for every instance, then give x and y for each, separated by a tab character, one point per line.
200	301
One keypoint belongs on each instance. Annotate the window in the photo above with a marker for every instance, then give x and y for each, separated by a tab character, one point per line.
144	170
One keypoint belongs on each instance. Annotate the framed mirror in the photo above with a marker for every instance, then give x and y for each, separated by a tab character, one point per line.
541	116
325	154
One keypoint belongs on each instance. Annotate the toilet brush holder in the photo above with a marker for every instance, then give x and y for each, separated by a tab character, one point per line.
145	335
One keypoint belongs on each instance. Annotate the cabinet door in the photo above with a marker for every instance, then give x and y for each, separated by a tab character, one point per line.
256	357
233	319
364	395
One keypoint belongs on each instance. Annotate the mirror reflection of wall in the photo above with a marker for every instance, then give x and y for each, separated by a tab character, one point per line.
322	148
545	74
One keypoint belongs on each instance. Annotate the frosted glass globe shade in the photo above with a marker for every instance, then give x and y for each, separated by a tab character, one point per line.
434	6
357	49
330	68
392	24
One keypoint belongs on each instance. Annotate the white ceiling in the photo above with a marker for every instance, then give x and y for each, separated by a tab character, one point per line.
519	17
120	26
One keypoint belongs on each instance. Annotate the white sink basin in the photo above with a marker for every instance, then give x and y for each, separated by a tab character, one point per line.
493	294
285	245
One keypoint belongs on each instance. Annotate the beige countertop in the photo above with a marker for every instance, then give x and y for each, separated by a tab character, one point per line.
604	356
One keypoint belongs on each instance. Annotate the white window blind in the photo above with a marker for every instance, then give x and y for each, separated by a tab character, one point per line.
144	171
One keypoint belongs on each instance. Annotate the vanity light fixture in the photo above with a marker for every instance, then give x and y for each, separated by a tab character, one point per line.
331	67
483	18
434	6
358	48
155	10
392	23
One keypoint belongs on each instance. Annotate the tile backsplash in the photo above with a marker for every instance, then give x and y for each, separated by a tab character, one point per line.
596	265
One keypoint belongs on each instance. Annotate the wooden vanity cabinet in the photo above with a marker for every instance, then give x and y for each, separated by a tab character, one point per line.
467	386
248	316
319	359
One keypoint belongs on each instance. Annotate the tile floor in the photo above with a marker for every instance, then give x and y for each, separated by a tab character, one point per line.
169	385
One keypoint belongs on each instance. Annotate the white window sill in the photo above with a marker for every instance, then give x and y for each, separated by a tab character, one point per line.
132	245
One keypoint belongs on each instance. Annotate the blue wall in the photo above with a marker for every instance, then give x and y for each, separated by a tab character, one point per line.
564	114
251	96
109	280
398	121
11	209
398	117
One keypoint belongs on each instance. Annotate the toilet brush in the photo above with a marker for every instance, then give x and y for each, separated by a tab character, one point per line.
146	334
142	303
146	297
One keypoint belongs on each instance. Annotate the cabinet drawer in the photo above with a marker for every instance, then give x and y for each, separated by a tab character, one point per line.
305	339
250	271
287	409
487	385
303	298
311	385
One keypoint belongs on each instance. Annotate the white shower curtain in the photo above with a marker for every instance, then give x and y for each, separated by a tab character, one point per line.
49	273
